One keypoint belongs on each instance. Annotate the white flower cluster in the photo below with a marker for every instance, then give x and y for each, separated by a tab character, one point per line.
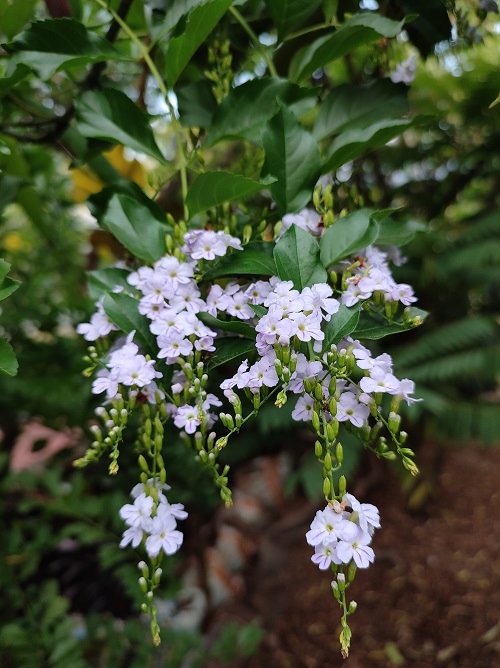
156	521
342	533
374	275
128	367
405	71
99	325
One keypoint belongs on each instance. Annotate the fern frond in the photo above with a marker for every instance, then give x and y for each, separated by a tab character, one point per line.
458	335
482	254
481	363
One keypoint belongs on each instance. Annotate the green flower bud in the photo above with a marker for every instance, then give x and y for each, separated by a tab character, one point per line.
341	582
351	571
352	607
403	435
318	392
318	449
342	485
143	464
394	422
326	487
332	387
332	405
339	453
315	421
335	590
327	462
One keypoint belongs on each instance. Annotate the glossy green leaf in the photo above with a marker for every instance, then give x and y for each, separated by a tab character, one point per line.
175	10
122	310
8	286
297	259
135	227
354	32
349	107
292	157
230	349
233	326
196	104
398	233
347	235
59	44
19	74
260	311
102	281
341	324
375	327
111	115
199	24
8	362
250	261
247	107
353	143
4	269
291	14
14	15
212	189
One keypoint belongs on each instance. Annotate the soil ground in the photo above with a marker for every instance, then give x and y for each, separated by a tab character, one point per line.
432	597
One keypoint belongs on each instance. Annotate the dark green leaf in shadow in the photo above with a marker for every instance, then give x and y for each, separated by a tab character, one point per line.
234	326
292	158
59	44
122	310
350	107
230	349
375	327
341	324
111	115
8	362
354	143
250	261
200	22
135	227
354	32
212	189
247	107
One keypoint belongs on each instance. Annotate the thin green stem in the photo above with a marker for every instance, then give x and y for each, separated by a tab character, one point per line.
164	91
258	45
306	31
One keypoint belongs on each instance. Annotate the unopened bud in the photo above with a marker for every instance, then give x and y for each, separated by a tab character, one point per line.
327	462
339	453
318	449
352	607
342	485
315	421
318	392
326	487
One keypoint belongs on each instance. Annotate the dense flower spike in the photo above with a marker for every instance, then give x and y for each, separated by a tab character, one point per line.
335	386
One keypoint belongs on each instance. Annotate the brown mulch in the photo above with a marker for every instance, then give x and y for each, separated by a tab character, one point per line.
432	598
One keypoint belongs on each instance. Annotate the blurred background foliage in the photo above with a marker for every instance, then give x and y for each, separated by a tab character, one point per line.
62	525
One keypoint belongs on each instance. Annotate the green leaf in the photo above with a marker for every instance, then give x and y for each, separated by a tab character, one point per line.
260	311
358	30
297	259
347	235
111	115
176	10
200	22
234	326
341	324
102	281
122	310
250	261
292	157
8	286
14	15
8	361
197	104
375	327
4	269
8	83
212	189
349	107
59	44
398	233
134	226
353	143
290	14
230	349
247	107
